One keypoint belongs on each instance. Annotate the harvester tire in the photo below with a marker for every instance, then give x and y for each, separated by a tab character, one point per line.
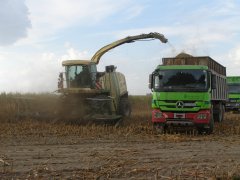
125	107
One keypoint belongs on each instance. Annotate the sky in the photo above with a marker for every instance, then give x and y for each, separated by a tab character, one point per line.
37	35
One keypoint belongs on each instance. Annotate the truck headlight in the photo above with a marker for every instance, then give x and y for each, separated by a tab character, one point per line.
158	114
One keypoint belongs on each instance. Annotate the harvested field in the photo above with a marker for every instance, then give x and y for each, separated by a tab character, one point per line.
34	149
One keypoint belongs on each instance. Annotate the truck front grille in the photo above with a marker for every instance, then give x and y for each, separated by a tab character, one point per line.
180	104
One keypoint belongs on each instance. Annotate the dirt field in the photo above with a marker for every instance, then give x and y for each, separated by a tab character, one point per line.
37	150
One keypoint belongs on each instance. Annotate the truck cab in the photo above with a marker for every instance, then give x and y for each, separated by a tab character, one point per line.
233	103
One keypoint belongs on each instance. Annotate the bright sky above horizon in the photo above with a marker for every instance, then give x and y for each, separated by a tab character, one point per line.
35	36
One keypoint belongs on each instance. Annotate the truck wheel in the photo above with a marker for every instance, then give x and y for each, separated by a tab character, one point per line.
211	125
218	117
125	107
223	112
159	128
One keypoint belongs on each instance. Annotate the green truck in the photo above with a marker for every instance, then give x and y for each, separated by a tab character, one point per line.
233	103
188	91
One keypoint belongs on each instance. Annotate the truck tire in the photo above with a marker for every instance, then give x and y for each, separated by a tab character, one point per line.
159	128
125	107
219	116
211	126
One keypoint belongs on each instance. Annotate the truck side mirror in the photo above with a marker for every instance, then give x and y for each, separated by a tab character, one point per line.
150	83
213	81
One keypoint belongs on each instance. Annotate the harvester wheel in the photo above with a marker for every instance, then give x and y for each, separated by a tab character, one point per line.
125	107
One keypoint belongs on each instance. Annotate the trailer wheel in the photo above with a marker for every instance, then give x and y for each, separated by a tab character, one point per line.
125	107
219	116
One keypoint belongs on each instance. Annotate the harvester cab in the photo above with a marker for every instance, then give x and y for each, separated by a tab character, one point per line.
97	95
78	74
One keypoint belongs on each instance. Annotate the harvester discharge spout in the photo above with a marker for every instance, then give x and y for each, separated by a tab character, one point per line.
130	39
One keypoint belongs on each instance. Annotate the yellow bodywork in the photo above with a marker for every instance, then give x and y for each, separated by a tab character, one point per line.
75	62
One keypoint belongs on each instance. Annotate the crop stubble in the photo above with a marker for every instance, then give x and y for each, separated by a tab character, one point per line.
31	148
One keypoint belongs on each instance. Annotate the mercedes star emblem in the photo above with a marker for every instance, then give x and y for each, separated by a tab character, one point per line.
179	104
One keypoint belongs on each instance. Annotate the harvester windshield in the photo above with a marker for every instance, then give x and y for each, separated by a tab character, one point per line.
79	76
181	80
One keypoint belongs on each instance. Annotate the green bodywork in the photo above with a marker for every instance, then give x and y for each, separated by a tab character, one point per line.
233	79
161	67
166	101
234	97
193	101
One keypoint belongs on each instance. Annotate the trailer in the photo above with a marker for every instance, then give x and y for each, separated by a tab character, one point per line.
188	91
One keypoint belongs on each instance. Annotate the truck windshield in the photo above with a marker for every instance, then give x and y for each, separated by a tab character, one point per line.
234	88
78	76
181	80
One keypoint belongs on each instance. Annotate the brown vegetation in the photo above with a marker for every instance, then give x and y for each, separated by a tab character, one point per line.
108	151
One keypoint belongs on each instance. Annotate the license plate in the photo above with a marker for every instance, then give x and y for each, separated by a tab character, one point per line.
179	115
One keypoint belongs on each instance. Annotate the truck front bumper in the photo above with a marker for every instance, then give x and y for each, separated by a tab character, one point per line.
181	119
